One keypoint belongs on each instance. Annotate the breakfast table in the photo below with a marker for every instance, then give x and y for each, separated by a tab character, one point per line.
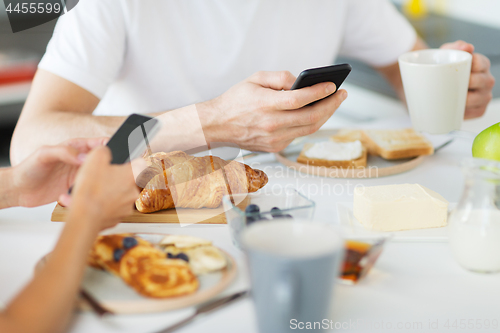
414	286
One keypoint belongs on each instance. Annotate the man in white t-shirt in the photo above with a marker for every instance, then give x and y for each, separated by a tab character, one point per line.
231	61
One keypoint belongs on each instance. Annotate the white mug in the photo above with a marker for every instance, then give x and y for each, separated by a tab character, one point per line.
435	82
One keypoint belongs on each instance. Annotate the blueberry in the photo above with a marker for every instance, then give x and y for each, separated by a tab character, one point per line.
129	242
183	256
118	254
170	256
275	211
252	219
253	208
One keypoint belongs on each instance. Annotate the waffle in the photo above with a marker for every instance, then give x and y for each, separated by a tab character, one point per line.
143	266
101	254
160	278
132	260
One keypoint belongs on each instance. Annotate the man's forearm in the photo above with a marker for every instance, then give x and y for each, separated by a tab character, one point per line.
54	127
49	118
181	130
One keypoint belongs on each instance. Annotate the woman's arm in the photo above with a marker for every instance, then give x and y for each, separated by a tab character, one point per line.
46	303
102	195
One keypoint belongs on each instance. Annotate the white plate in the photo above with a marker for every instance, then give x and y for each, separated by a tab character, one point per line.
351	227
376	166
112	293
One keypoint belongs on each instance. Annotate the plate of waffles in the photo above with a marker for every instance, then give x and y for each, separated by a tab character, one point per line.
132	273
357	153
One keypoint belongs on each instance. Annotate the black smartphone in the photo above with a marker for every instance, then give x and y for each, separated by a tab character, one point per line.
132	138
336	74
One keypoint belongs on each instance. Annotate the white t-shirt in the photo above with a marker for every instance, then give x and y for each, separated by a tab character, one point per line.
141	56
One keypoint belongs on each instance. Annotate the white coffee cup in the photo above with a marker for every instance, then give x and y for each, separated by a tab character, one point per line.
435	82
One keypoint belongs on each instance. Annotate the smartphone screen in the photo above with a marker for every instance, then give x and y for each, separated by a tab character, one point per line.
132	138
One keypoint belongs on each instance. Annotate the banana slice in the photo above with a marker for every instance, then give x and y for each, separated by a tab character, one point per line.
184	241
205	259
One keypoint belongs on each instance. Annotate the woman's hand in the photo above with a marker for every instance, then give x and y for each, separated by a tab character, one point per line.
49	172
103	193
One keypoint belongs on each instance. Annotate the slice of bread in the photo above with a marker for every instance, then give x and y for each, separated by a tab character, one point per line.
397	144
349	135
356	163
389	144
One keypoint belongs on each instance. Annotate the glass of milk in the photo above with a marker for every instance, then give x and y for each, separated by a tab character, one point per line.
474	226
435	82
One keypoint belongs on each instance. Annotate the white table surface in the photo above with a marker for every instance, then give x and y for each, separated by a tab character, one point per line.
412	283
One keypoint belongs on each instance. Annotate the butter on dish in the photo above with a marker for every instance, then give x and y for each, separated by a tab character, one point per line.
399	207
334	154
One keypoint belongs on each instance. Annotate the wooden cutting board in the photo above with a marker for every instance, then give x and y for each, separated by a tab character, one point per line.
203	216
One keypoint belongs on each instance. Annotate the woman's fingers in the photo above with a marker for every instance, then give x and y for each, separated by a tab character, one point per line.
85	145
65	200
53	154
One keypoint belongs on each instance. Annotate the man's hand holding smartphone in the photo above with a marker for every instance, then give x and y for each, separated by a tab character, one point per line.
261	113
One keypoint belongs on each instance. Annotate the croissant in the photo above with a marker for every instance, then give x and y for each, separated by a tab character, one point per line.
195	182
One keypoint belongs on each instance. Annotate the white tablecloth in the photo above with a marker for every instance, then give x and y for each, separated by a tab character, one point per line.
414	286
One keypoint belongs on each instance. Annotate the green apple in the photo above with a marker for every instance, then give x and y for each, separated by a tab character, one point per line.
487	143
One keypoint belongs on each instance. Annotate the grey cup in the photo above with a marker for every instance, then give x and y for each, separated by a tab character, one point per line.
293	268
